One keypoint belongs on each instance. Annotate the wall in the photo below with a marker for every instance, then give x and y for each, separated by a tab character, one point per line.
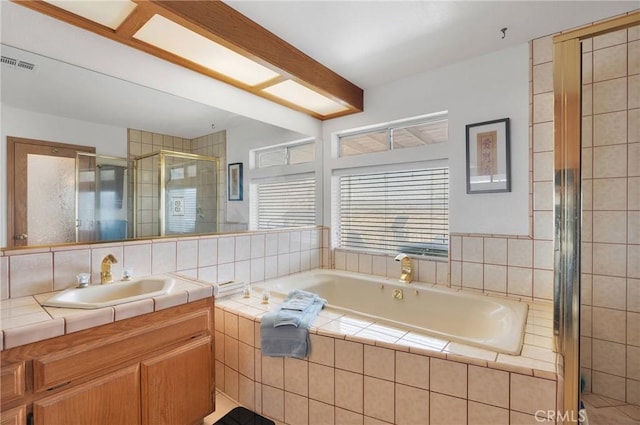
489	87
356	379
242	257
253	135
610	281
107	140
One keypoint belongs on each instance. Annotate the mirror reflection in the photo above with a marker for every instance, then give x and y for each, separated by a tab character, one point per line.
147	164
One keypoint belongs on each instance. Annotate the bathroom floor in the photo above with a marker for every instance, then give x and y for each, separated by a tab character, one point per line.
223	406
606	411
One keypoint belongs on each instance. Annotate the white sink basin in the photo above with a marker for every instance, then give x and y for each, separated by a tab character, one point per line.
97	296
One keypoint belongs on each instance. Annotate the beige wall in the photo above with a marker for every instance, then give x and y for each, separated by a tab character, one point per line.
610	343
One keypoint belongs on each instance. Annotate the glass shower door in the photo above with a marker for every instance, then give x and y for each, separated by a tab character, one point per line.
102	202
189	194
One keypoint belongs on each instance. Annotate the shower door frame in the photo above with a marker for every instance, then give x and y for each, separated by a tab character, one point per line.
162	181
567	89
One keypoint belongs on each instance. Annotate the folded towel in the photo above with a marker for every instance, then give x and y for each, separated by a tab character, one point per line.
286	332
283	341
295	307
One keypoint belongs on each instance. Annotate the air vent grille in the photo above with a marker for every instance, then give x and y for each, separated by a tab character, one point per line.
9	61
15	63
26	65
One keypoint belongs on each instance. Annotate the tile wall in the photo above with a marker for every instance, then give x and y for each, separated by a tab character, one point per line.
250	257
211	145
610	342
355	380
426	271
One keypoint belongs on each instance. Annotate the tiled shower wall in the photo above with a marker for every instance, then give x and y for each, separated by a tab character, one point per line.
212	145
245	257
610	310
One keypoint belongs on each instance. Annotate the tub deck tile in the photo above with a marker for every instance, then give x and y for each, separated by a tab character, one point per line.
537	357
498	364
526	362
388	330
374	336
422	341
342	327
468	351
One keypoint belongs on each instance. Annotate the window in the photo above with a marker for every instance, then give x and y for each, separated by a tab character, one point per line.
396	211
296	153
284	204
394	136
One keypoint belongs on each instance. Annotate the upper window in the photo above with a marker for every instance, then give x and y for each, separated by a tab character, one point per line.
395	136
297	153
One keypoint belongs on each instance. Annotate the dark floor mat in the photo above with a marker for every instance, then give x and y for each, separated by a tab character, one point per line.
242	416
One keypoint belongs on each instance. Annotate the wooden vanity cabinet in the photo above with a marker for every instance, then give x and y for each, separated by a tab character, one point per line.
152	369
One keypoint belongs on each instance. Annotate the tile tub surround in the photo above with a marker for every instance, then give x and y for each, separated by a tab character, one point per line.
24	320
248	257
364	372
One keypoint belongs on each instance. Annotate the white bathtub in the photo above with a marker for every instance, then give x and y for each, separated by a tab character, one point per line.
491	323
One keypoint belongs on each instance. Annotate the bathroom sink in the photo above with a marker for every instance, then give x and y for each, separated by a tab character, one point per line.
97	296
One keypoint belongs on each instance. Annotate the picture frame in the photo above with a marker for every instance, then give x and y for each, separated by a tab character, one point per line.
488	155
234	182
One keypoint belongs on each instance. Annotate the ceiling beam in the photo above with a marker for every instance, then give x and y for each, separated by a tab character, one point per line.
224	25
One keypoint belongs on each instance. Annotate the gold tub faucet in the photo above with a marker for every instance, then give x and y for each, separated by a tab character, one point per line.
105	269
406	268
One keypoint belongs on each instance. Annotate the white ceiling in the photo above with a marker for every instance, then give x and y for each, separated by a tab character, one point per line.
374	42
367	42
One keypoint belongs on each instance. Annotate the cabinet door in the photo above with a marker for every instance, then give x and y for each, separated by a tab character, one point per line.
16	416
109	400
12	382
177	386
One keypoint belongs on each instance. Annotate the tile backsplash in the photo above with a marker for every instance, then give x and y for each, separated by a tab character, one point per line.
248	257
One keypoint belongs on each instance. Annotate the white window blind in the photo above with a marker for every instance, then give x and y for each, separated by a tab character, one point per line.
286	204
397	211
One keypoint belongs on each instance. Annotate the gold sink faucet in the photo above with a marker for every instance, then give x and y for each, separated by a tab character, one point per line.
406	268
105	269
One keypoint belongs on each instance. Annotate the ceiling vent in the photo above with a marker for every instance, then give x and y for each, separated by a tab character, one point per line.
26	65
14	63
9	61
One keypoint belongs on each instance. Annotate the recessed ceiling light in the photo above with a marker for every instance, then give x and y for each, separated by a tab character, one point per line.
108	13
298	94
174	38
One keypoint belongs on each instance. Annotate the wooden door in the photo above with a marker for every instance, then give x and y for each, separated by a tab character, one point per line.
18	151
111	399
177	387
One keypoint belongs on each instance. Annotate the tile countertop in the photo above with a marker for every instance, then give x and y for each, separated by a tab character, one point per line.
24	320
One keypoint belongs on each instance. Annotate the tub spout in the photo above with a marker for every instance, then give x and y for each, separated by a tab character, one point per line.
406	268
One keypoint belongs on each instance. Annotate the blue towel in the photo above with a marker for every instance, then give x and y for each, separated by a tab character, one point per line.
279	339
297	307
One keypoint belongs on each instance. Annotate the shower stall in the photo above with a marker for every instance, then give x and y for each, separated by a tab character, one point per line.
175	193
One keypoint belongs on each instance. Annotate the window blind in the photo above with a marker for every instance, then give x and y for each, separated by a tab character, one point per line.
398	211
286	204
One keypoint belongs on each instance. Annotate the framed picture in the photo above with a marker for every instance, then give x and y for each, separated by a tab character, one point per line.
488	157
234	181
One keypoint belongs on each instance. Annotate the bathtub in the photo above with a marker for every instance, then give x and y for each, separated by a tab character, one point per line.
495	324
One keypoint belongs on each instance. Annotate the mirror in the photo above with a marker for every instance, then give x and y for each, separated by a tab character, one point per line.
48	99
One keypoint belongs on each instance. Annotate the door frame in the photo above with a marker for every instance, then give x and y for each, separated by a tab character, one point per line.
14	193
567	91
